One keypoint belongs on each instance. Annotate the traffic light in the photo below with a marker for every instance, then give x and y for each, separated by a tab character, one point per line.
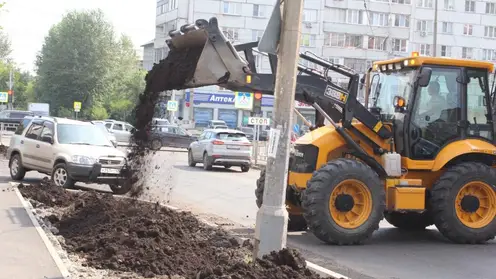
257	103
11	96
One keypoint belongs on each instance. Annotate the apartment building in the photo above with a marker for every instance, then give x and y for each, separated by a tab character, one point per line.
350	32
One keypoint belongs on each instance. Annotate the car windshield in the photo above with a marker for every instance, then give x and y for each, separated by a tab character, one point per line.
82	134
231	136
385	86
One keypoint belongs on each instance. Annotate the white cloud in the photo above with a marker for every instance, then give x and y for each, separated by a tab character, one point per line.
27	22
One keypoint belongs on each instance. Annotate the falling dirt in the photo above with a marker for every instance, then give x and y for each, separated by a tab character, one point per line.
128	235
171	73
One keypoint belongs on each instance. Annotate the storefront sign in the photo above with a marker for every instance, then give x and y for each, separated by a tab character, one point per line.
213	98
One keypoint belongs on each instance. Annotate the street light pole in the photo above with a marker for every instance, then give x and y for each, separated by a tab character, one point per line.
434	47
272	217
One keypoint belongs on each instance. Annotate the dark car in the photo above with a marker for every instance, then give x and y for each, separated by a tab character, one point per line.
11	119
249	132
169	136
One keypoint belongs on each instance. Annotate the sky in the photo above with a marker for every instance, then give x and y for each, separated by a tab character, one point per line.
27	22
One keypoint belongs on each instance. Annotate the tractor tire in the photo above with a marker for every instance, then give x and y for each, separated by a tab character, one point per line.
295	222
463	203
344	202
409	221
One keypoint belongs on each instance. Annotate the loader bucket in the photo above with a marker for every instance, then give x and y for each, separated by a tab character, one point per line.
200	55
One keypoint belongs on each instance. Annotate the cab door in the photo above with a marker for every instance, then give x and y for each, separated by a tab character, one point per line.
436	115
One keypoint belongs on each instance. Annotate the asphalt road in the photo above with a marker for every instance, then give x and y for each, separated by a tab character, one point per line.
389	254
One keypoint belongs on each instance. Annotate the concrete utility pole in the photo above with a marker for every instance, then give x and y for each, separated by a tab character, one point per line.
272	217
434	43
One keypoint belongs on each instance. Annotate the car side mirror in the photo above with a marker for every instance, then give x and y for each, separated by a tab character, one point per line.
424	76
47	139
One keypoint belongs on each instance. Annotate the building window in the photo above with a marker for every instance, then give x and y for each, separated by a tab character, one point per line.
232	8
470	6
344	40
446	51
489	54
354	17
337	15
309	16
359	65
172	5
379	19
405	2
401	20
468	29
447	27
258	10
335	60
449	5
467	52
424	25
232	34
490	31
491	8
399	45
256	35
424	3
377	43
308	40
425	49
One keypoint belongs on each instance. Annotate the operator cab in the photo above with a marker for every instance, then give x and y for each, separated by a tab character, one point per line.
431	102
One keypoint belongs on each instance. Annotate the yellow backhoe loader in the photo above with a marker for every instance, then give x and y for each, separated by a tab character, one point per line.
420	151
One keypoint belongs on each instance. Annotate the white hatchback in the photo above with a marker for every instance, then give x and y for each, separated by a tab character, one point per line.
221	147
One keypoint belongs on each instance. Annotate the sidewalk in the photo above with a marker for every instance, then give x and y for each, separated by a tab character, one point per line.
24	254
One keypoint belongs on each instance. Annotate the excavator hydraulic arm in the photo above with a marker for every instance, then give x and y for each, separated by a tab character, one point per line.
213	60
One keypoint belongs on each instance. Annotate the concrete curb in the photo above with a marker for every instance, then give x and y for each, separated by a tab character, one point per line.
258	167
29	208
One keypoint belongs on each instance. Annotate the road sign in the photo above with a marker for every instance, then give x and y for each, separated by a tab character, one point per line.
172	105
258	121
4	97
296	128
77	106
243	100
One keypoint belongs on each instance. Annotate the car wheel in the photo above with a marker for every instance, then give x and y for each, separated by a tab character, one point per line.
207	163
227	167
60	176
191	161
156	144
120	189
245	168
17	171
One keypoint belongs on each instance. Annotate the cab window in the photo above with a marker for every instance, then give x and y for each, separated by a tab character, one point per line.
477	109
34	130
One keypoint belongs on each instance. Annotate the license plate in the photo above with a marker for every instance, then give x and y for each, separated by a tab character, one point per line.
111	171
233	147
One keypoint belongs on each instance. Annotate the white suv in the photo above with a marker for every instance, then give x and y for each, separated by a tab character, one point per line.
69	151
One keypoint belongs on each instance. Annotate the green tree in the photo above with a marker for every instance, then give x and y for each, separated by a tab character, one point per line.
75	61
82	59
23	84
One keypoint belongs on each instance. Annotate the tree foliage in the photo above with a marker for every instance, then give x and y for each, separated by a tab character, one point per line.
23	84
82	59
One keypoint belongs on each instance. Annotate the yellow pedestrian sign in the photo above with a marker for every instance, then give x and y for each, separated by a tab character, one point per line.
243	100
77	106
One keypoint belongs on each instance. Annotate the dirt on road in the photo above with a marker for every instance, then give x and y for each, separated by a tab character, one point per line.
170	73
128	235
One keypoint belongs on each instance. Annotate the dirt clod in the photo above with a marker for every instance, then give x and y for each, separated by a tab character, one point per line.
128	235
171	73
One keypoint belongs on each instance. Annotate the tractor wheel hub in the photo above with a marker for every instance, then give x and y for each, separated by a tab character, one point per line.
470	203
344	202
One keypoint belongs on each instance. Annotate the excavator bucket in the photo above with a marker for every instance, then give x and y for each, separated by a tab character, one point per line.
204	49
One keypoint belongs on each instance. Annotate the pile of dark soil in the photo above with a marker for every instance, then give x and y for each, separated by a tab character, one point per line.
171	73
133	236
48	194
